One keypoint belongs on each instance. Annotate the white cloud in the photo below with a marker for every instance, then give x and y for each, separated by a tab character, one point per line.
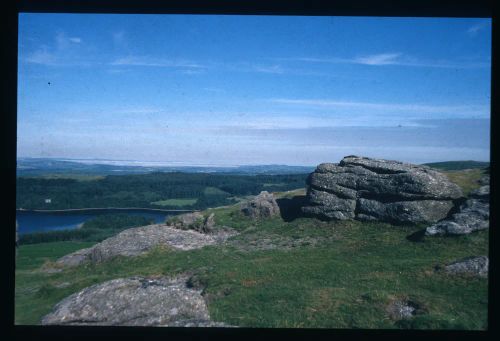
269	69
75	40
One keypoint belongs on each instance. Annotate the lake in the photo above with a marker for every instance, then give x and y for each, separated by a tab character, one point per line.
30	221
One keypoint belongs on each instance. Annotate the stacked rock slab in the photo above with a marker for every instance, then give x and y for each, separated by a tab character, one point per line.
382	190
473	215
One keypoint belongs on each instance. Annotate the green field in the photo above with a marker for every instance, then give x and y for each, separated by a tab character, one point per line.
273	185
302	273
74	176
175	202
214	191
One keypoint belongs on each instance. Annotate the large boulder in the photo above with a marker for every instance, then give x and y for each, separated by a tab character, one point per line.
135	301
373	189
262	206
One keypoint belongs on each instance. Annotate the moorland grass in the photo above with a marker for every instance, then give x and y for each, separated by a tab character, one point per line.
345	282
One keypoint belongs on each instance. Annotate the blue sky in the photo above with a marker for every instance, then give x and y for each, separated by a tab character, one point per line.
233	90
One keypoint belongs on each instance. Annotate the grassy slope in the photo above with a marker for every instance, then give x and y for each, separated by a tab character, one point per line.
466	179
345	282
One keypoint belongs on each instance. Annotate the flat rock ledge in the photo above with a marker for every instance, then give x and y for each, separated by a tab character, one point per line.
379	190
139	240
135	301
475	266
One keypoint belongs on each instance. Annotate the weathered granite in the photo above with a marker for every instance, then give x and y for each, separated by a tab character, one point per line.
262	206
136	241
473	215
193	221
135	301
475	266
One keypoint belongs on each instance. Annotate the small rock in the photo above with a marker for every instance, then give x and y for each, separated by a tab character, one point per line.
403	309
476	266
193	221
485	180
261	207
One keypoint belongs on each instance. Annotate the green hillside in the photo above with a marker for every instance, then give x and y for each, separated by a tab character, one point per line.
458	165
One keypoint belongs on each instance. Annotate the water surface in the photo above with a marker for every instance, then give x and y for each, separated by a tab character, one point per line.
30	221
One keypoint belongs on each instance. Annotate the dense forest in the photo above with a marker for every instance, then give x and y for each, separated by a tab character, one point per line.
174	190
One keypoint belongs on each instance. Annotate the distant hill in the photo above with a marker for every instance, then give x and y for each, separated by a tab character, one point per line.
44	166
457	165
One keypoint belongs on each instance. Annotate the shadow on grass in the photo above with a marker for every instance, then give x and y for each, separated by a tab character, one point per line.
290	208
416	237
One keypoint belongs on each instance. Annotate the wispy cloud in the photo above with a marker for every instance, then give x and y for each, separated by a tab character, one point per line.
154	62
215	90
399	107
65	51
118	37
41	56
278	69
391	58
378	59
474	29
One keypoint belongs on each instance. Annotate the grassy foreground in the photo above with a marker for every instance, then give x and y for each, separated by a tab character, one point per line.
317	274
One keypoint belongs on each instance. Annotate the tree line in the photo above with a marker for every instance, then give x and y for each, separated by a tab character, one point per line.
142	190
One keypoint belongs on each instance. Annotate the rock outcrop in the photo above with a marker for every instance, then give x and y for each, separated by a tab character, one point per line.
136	241
473	215
135	301
475	266
382	190
262	206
